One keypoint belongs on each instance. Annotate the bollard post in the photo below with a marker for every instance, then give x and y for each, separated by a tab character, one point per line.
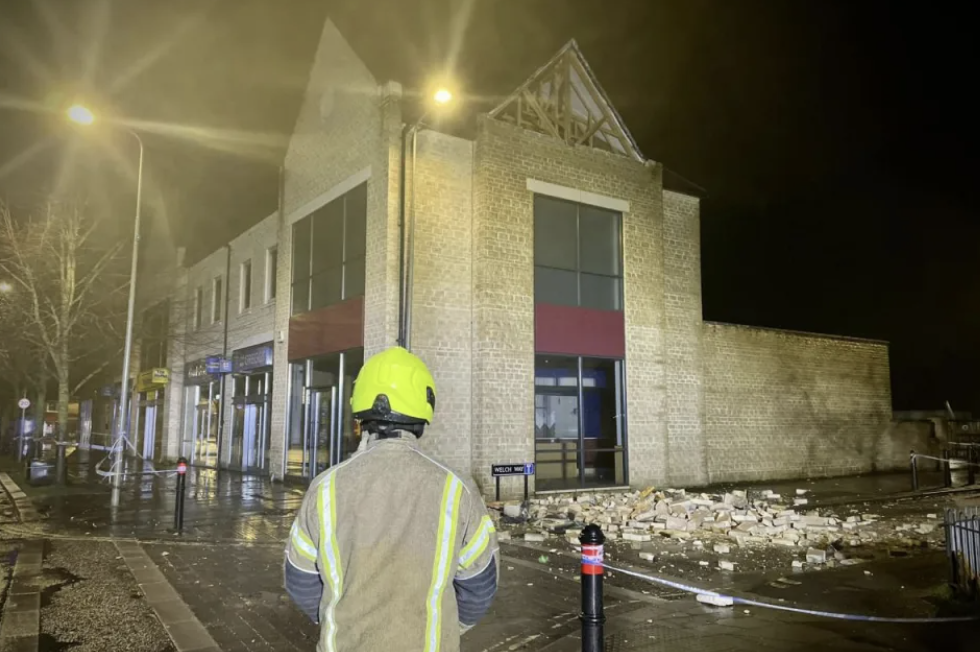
593	615
913	465
179	501
947	470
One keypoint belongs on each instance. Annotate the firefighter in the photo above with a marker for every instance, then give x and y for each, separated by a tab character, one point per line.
391	550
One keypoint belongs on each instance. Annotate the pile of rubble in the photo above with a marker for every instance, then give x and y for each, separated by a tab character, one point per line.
767	519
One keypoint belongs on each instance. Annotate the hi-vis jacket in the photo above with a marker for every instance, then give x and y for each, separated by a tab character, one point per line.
395	537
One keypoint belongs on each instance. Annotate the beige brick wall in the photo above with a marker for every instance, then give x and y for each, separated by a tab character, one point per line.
787	405
682	309
442	289
346	125
503	305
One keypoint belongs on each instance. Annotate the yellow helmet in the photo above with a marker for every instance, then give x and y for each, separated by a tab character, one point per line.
394	387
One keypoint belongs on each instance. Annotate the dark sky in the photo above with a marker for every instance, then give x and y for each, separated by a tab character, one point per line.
834	138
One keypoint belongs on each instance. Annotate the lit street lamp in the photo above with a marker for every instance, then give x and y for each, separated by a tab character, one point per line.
83	116
6	287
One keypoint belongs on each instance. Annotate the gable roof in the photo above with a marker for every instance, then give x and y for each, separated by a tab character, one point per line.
564	99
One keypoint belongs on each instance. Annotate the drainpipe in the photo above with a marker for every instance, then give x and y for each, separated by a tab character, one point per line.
409	281
224	355
401	242
283	359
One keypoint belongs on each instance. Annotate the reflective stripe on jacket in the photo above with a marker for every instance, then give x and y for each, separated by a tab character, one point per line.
388	531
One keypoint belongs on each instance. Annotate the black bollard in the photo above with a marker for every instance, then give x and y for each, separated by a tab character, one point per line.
947	470
913	465
179	501
593	615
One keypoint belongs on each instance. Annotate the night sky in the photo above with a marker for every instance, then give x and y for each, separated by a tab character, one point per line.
834	138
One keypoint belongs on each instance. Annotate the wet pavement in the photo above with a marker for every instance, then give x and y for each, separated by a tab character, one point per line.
227	568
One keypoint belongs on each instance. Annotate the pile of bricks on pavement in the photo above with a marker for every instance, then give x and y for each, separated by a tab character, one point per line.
768	519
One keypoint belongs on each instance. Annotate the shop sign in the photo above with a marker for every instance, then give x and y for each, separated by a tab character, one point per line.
152	379
215	364
254	357
198	372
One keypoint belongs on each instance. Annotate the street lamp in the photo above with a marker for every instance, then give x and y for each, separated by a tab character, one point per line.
441	97
6	287
83	116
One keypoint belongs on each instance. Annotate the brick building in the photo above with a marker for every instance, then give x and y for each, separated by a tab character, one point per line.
552	283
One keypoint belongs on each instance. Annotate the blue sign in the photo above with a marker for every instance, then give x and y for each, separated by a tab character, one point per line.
254	357
498	470
215	364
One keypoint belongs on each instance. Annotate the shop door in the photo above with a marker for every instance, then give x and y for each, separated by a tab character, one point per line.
206	428
149	430
322	404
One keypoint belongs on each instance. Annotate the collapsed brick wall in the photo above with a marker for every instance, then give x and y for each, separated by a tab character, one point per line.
789	405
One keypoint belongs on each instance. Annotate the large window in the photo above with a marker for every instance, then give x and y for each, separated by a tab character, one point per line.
328	252
579	422
577	255
155	336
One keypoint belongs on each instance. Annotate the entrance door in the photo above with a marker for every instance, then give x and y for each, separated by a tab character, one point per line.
149	430
205	442
322	404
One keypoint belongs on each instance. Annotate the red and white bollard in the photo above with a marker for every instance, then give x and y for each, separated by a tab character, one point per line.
593	615
181	489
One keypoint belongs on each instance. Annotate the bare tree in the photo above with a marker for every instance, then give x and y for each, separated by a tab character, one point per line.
68	270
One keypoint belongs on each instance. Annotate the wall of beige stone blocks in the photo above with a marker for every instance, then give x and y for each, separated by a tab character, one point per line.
347	125
442	289
503	285
684	355
789	405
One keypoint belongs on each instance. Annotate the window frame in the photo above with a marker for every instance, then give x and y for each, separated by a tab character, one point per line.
578	271
245	286
308	275
271	272
198	316
217	291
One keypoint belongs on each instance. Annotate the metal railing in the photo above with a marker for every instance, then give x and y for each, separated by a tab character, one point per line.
963	549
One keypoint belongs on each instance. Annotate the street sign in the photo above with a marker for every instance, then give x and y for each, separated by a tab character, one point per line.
497	470
23	403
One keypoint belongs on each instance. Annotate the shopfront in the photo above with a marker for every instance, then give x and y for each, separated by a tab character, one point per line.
321	428
251	426
202	413
146	435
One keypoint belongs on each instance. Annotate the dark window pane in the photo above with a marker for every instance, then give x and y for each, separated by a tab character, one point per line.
301	296
301	248
601	400
555	286
354	278
328	236
355	236
198	307
599	241
601	292
325	288
216	307
246	285
273	271
554	233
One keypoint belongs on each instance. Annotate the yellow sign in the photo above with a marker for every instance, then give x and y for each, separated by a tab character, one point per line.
152	379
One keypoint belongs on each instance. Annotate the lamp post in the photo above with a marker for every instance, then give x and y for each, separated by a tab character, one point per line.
441	97
83	116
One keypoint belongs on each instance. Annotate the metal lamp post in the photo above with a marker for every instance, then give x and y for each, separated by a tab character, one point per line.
84	116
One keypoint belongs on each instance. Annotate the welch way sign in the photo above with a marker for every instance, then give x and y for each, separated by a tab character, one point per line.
512	469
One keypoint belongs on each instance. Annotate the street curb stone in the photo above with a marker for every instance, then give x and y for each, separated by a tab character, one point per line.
20	625
23	505
182	626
